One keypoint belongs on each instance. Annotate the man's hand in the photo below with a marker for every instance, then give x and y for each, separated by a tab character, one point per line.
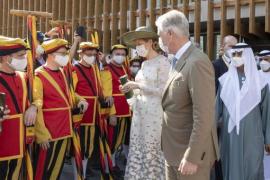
267	149
187	168
45	145
113	120
30	116
109	100
77	39
83	104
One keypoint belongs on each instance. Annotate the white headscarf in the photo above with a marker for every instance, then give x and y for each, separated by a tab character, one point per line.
265	75
240	102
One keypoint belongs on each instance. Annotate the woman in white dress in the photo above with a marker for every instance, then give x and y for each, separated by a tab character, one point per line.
145	159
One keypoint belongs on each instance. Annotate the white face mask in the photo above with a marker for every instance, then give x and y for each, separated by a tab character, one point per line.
119	59
89	59
19	64
164	48
265	65
39	50
61	60
237	61
141	50
134	70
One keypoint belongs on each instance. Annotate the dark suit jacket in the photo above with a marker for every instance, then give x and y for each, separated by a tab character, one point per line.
220	68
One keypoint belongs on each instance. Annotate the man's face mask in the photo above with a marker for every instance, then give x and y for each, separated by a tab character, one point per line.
61	60
237	59
265	65
18	64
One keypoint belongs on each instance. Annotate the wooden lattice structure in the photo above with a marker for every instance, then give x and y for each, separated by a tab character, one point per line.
249	19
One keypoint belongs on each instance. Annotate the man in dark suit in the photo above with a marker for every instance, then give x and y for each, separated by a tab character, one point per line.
222	63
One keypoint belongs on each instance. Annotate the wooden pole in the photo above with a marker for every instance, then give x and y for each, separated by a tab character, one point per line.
152	14
267	16
123	17
210	30
55	9
185	8
106	26
142	12
24	13
197	22
132	15
223	15
237	18
115	5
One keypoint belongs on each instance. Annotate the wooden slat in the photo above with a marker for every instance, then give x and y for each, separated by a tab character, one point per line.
61	10
152	14
31	5
1	15
68	18
106	26
123	17
90	14
9	19
5	11
48	9
267	16
163	4
75	15
14	20
185	8
132	16
252	22
42	7
223	19
55	9
237	20
197	22
143	12
98	13
114	21
36	8
83	13
174	4
210	30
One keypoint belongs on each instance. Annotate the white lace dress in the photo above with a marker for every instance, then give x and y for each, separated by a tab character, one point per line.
145	159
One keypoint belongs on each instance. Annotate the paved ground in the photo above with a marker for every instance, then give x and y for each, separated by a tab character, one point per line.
68	171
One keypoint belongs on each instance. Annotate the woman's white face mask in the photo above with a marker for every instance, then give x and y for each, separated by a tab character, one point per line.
89	59
141	50
61	60
18	64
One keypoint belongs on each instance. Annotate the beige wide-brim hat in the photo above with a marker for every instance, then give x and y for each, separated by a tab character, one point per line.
140	33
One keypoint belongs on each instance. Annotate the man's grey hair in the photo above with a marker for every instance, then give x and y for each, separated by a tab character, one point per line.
175	21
